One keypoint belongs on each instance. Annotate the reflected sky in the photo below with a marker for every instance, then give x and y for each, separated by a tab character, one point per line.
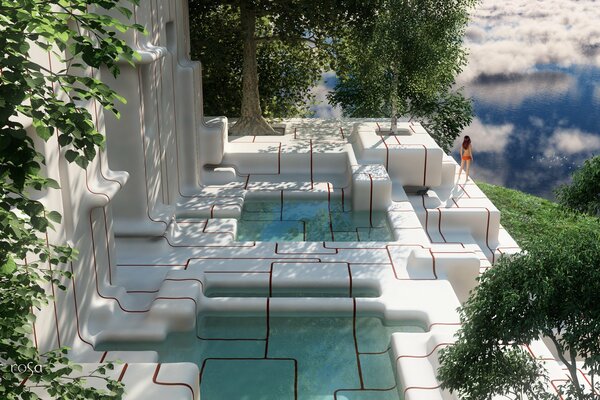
534	75
532	130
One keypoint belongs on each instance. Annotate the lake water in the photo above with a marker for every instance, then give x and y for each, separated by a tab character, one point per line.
531	131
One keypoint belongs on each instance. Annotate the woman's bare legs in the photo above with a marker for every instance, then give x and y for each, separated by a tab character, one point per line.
467	170
462	164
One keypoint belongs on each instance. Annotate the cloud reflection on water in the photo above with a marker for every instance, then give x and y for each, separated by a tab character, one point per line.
534	76
513	36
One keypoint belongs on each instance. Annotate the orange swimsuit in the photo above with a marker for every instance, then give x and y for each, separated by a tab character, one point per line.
466	154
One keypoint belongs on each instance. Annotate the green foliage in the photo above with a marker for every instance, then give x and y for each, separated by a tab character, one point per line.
526	217
405	64
52	100
552	290
294	48
287	71
583	194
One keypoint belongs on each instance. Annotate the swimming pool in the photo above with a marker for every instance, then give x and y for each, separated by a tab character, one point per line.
282	357
302	220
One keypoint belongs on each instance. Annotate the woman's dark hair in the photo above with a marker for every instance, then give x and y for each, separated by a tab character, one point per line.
466	142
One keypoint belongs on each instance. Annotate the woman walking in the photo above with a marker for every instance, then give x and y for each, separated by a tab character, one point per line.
466	156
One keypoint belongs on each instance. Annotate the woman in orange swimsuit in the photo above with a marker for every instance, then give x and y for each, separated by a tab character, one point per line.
466	155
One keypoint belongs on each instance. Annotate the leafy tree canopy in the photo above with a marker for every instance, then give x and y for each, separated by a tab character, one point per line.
277	48
287	70
406	64
53	99
583	194
552	291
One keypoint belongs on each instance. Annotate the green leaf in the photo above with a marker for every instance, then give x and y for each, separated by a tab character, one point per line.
9	266
54	217
71	155
51	183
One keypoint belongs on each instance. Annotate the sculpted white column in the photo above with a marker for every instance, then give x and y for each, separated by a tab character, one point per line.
199	142
135	142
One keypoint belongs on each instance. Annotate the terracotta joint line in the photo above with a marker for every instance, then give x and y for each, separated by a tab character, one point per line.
349	280
281	207
387	153
312	185
155	380
268	328
123	371
425	166
371	202
360	375
279	160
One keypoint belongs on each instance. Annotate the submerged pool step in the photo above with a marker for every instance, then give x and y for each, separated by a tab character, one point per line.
291	279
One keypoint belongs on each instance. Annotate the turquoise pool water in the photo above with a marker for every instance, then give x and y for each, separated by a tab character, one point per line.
295	358
310	221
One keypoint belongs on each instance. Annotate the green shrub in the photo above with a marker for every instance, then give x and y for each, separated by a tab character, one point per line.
551	290
583	194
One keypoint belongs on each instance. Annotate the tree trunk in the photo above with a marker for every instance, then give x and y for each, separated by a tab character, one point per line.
251	121
571	366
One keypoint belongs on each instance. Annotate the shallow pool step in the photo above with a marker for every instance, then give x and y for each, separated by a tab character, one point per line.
291	279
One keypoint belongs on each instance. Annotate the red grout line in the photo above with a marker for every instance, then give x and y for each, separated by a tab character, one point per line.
465	190
556	388
123	372
76	308
440	225
329	212
426	219
304	230
53	297
281	207
433	264
387	153
420	388
35	339
156	381
360	375
371	202
487	235
311	166
271	279
425	167
425	355
349	281
443	324
585	377
375	353
141	291
335	394
302	253
268	328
